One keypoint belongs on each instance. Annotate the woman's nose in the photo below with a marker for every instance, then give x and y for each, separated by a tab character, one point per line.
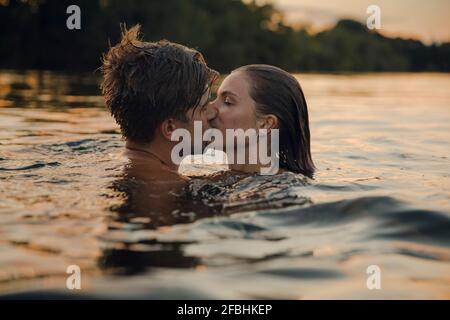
211	111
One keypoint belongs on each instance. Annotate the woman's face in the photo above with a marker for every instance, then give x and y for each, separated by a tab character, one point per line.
233	107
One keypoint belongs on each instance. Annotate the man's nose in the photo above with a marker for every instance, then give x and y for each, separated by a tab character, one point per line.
211	111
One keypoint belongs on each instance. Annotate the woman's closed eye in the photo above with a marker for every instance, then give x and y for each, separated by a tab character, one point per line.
227	101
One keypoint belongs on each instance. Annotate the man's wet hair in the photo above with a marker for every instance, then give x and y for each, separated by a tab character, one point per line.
145	83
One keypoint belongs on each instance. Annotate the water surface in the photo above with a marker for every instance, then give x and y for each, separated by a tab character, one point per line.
381	143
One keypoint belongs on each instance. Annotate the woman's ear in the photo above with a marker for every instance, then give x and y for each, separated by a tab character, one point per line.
167	127
268	121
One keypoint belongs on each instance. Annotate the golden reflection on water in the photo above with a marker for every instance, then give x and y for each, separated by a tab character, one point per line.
37	89
384	135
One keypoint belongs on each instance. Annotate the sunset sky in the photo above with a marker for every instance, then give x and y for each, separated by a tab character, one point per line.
425	20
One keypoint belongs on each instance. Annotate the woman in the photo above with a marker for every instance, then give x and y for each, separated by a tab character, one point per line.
259	97
266	97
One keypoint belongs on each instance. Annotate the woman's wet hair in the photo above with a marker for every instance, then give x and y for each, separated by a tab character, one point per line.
277	92
145	83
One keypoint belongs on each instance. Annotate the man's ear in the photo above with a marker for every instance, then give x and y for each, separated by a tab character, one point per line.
268	121
167	127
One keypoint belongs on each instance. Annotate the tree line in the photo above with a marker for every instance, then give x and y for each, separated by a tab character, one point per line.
230	33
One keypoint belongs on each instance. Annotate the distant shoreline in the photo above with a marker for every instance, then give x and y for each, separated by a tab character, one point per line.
228	33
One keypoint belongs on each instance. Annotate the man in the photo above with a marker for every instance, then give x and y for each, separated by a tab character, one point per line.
152	89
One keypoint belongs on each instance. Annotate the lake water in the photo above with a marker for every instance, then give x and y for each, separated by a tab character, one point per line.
381	196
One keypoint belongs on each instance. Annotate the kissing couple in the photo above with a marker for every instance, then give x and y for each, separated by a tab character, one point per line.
156	89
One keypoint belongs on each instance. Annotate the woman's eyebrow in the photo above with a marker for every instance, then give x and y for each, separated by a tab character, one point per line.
223	93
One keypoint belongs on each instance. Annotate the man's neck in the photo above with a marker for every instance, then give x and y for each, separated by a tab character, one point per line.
153	151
